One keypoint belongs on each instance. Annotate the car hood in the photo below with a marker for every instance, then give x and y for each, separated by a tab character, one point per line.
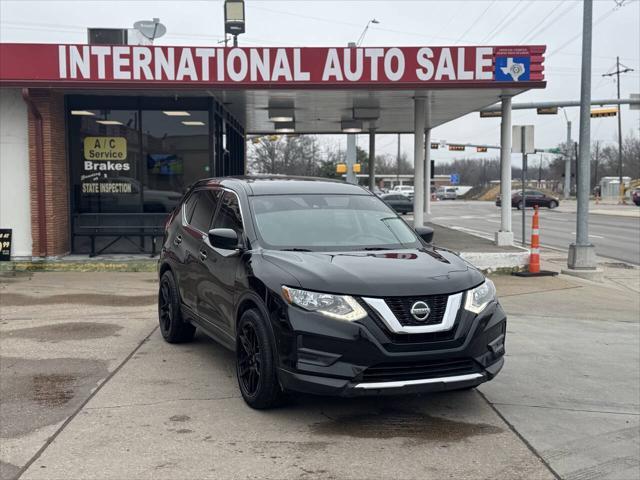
379	273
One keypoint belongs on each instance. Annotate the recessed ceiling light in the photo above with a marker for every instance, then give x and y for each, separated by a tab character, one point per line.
176	113
192	123
109	122
281	114
285	127
351	126
82	112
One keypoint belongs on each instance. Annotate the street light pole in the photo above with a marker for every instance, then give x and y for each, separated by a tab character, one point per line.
582	253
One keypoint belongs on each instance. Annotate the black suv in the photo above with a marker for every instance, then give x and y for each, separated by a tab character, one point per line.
320	287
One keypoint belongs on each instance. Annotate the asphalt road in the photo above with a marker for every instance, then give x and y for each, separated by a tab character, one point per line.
615	237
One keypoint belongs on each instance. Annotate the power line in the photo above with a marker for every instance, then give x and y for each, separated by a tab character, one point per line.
541	29
475	21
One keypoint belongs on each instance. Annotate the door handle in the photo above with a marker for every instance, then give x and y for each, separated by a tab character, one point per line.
177	240
203	255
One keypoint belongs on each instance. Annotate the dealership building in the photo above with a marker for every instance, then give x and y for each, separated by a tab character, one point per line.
99	142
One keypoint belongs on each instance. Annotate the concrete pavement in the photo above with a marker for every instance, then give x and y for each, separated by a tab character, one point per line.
104	401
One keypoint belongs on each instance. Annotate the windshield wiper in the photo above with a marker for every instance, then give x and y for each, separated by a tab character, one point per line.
376	248
295	250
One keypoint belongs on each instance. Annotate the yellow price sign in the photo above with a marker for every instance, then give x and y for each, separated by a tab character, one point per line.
105	148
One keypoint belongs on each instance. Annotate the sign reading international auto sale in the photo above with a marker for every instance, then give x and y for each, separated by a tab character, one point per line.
270	67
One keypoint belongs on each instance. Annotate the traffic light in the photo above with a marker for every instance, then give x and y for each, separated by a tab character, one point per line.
604	112
356	168
481	149
547	111
456	148
341	168
435	145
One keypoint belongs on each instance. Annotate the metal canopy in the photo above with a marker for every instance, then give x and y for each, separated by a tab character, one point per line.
321	111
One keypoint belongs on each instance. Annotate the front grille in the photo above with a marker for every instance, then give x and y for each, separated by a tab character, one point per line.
401	308
390	372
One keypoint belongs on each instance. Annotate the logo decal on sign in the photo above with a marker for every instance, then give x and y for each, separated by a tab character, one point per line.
512	69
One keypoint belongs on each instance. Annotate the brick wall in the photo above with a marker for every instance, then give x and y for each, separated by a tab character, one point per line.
56	175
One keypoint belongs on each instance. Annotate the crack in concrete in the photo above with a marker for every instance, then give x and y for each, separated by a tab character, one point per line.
565	409
170	400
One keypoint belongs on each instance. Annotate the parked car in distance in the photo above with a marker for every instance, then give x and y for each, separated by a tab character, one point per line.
533	197
635	196
400	203
318	286
406	190
447	193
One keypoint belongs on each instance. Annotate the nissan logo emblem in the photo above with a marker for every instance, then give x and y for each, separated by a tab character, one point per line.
420	311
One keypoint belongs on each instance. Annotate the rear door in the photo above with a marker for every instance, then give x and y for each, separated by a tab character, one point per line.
218	294
194	231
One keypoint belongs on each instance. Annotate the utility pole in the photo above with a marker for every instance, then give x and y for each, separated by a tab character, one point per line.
398	162
567	160
617	74
582	254
597	155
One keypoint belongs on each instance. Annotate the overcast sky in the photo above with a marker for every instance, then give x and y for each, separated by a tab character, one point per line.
556	24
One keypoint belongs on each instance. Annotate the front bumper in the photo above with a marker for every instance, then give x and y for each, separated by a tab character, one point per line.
330	357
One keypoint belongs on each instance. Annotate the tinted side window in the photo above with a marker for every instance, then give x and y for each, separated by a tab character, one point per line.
229	214
205	208
190	206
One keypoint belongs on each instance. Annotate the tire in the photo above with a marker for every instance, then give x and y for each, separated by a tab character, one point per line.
255	364
172	326
520	205
553	204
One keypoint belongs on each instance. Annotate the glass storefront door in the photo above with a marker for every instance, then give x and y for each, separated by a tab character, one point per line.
132	158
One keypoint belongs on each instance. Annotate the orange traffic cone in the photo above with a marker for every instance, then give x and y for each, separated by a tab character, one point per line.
534	255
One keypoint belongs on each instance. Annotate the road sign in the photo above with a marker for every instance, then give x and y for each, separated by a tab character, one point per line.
547	110
517	143
454	178
490	114
604	112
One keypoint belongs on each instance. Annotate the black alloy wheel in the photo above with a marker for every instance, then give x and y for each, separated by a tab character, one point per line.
172	326
255	362
249	359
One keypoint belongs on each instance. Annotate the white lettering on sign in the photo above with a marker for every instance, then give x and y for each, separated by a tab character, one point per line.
259	65
122	62
204	54
394	53
484	58
425	73
373	54
445	65
141	62
298	74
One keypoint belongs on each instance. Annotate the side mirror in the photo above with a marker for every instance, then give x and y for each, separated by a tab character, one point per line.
223	238
426	233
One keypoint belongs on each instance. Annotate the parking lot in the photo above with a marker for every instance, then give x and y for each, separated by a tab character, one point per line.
90	390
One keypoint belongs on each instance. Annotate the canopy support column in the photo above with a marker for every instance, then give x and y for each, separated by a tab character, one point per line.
427	171
418	160
505	235
372	158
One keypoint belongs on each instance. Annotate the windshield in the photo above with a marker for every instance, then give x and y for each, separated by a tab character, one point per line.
329	222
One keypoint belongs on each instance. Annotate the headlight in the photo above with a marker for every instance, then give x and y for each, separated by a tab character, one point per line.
479	297
341	307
